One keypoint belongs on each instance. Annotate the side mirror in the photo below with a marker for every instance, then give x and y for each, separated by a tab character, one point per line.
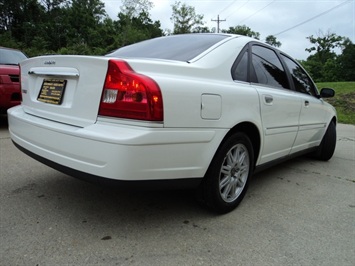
327	93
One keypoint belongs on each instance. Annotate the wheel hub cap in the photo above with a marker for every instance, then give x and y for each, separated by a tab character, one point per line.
234	173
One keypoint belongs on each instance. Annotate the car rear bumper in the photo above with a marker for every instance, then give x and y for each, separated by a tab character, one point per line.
115	151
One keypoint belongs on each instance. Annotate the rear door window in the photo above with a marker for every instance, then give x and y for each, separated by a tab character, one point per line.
268	68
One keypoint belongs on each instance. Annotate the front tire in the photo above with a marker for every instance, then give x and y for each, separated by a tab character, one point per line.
227	178
326	149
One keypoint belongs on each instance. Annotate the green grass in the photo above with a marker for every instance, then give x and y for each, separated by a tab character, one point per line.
343	101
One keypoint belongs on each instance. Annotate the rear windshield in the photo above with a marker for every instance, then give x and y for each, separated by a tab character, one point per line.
175	47
11	57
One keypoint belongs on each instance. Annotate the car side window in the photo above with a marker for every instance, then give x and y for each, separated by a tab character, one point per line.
268	67
240	72
301	80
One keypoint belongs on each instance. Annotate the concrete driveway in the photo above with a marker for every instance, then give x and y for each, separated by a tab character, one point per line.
298	213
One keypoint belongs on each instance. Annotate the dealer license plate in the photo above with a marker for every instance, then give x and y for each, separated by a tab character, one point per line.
52	91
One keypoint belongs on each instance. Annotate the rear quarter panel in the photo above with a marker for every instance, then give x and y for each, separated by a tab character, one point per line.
183	85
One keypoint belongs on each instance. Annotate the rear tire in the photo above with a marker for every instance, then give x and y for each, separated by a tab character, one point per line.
227	178
326	148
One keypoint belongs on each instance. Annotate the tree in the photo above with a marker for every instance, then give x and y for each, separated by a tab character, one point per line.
330	70
55	23
134	22
7	10
50	5
201	30
84	18
133	8
243	30
271	39
135	29
324	45
321	64
21	18
185	19
346	61
73	26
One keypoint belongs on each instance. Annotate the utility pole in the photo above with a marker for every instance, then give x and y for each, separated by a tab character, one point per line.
218	21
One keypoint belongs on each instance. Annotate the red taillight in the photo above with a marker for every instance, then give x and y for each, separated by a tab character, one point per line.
127	94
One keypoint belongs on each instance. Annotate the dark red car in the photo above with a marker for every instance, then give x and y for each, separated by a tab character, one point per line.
10	91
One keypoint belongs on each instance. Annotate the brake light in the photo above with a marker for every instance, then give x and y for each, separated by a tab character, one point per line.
127	94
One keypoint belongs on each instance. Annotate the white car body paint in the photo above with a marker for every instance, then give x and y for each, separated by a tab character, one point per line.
201	101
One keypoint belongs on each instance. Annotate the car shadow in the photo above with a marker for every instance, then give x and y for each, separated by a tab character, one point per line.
60	191
3	121
86	202
51	195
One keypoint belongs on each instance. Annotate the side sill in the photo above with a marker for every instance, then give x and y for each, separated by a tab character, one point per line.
267	165
185	183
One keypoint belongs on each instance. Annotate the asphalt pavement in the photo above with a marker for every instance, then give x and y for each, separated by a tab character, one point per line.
301	212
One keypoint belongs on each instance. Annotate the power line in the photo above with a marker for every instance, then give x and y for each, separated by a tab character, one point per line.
238	8
257	12
312	18
228	6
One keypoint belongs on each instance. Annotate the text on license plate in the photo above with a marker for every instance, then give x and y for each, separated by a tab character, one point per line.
52	91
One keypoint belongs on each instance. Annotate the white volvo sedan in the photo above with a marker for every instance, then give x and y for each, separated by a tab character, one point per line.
203	110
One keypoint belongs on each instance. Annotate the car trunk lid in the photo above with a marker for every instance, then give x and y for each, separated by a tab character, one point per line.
66	89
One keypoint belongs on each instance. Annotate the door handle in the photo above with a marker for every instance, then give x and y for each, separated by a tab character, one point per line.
268	99
306	103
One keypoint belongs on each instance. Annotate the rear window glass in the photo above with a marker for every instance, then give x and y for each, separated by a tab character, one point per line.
11	57
175	47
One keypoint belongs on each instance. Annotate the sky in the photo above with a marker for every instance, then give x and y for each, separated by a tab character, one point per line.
291	21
